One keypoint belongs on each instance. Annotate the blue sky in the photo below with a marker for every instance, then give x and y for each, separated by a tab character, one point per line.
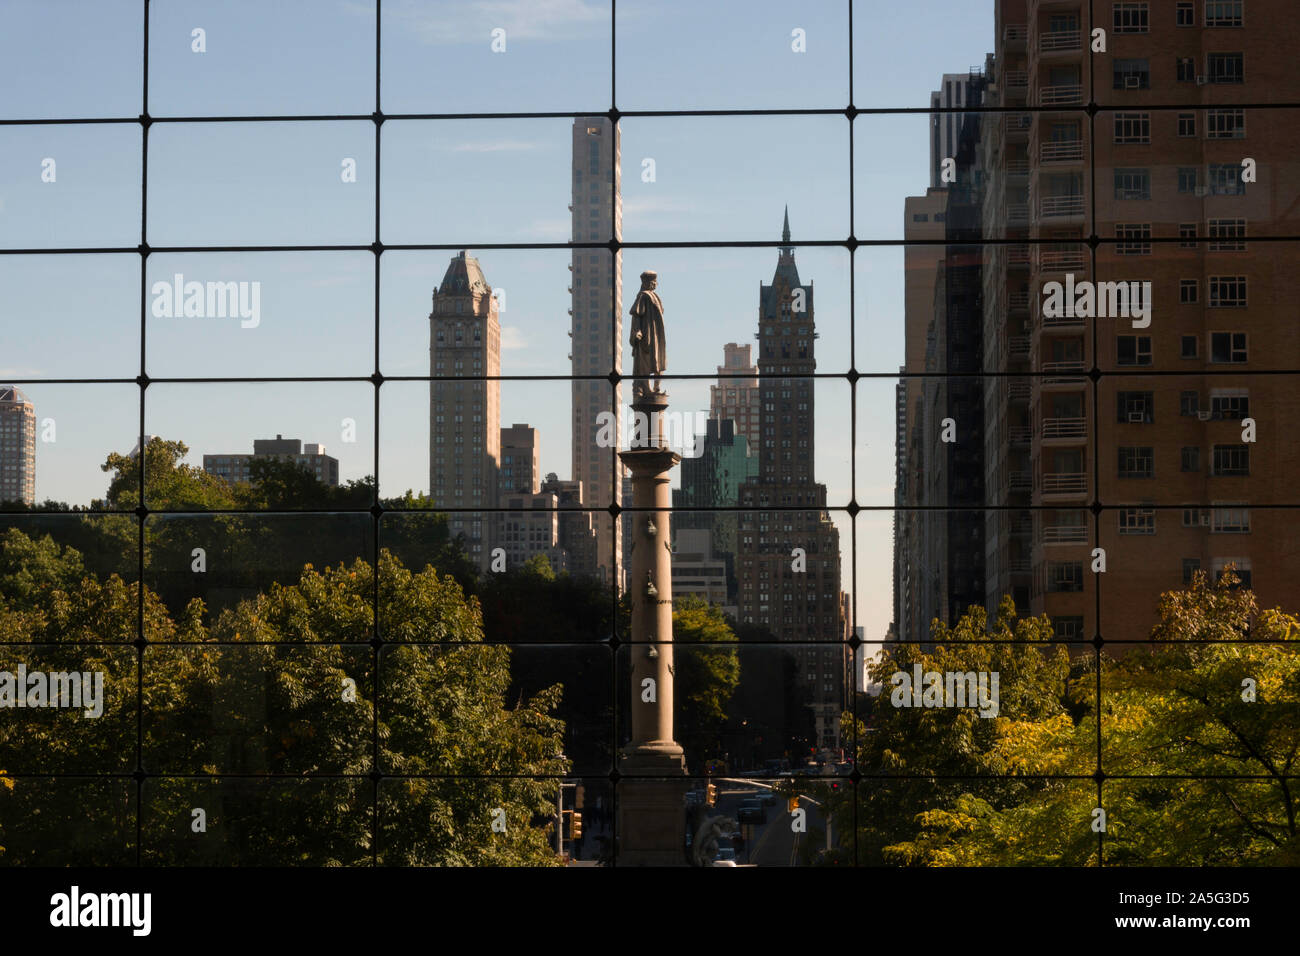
456	181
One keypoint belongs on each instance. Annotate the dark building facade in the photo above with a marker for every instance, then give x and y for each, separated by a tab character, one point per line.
712	480
961	310
795	594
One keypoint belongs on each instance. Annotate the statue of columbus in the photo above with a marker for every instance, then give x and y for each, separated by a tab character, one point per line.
649	353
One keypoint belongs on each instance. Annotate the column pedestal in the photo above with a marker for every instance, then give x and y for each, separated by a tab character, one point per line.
652	794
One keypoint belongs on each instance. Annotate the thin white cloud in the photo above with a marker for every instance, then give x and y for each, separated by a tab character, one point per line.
472	21
512	338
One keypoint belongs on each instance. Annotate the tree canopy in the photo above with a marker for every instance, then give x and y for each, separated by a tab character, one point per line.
290	692
1197	736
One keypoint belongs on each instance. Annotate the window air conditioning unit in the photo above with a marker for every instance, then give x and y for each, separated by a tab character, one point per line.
1200	81
1205	518
1132	82
1135	418
1202	191
1203	416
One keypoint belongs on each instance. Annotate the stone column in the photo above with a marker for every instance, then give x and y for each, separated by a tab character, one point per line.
651	812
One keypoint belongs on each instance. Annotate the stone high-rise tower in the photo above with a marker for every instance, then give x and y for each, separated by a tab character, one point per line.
465	405
597	328
17	446
803	604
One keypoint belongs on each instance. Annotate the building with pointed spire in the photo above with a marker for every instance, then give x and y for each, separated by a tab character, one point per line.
465	404
795	595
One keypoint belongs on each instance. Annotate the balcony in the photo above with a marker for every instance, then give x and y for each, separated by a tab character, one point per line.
1066	151
1018	214
1065	483
1018	391
1015	36
1066	534
1020	482
1069	95
1060	41
1062	259
1058	323
1018	256
1016	82
1018	346
1016	125
1063	373
1060	207
1020	434
1068	430
1018	301
1016	167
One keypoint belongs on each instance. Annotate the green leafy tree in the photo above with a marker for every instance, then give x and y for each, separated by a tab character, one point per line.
1211	716
707	673
418	535
75	623
289	693
1209	705
246	553
931	745
171	485
558	627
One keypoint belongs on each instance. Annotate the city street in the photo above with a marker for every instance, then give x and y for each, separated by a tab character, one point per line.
772	843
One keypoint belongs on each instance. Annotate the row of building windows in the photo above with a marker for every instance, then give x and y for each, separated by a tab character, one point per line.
1135	238
459	335
1134	129
475	439
1138	461
1067	576
1226	348
1138	408
1135	74
1221	179
1134	16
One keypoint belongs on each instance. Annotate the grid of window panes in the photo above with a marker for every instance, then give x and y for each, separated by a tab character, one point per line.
317	670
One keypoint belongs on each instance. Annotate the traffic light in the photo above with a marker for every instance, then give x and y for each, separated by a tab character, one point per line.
792	805
710	794
575	825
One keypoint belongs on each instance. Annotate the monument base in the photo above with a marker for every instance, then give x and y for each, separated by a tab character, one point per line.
652	806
